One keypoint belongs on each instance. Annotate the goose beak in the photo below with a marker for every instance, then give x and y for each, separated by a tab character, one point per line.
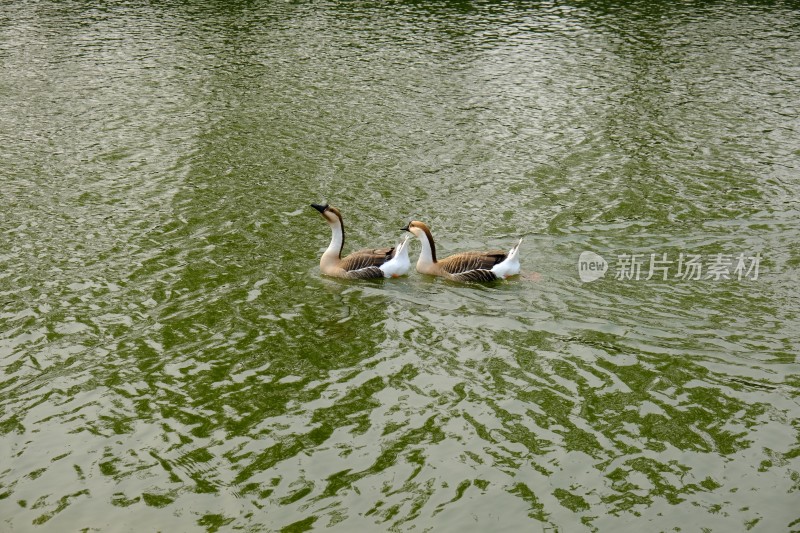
405	228
320	208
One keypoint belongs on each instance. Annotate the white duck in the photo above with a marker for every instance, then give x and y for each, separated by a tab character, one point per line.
363	264
465	266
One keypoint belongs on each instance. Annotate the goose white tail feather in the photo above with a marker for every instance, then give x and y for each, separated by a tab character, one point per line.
400	263
509	267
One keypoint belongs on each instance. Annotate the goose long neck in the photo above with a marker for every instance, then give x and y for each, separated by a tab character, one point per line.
337	239
428	254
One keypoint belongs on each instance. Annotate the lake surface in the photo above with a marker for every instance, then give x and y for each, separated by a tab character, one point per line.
172	360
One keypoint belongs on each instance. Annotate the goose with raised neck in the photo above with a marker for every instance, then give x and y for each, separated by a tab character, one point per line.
368	263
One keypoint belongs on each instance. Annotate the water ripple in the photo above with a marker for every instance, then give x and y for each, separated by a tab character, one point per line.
171	357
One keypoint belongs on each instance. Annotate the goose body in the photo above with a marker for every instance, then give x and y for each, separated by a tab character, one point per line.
363	264
464	266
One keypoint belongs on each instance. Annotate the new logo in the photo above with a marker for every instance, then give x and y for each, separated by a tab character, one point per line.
591	266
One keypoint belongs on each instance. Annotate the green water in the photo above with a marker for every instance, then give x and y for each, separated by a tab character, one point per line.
172	360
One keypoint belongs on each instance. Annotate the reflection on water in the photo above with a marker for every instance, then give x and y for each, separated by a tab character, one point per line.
171	357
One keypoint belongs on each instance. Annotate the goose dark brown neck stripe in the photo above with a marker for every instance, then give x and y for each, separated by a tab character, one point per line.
341	225
430	240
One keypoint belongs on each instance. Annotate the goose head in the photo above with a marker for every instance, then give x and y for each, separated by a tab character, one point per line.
330	214
419	229
423	233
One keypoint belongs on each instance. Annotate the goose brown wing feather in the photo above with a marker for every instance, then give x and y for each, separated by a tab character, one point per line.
365	273
366	258
478	274
466	261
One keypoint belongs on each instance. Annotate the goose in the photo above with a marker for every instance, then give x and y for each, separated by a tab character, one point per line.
363	264
465	266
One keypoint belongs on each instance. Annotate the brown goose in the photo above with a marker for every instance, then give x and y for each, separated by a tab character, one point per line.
363	264
466	266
